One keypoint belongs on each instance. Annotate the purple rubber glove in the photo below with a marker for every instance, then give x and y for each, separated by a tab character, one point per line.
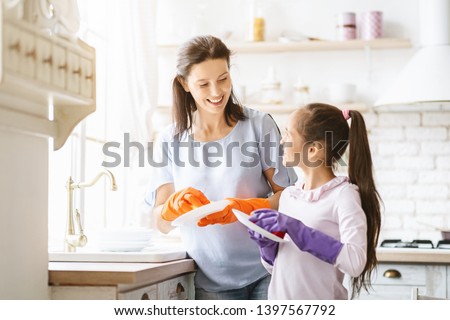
307	239
267	248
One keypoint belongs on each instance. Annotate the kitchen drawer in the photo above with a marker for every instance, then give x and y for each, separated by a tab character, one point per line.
381	292
401	274
178	288
145	293
395	281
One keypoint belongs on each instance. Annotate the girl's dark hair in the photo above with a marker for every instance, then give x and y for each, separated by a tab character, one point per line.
323	122
195	51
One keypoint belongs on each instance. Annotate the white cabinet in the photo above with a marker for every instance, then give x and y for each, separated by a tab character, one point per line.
448	282
394	281
39	70
177	288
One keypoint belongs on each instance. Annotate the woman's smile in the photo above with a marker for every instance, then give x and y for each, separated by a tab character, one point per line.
215	102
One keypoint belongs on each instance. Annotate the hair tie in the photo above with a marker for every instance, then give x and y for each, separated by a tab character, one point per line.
346	114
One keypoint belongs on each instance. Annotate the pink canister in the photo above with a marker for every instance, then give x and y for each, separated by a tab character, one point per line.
371	25
346	26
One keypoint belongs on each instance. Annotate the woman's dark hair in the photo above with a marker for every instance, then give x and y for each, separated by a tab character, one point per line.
195	51
323	122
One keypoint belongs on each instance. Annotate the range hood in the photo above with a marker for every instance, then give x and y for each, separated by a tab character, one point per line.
424	84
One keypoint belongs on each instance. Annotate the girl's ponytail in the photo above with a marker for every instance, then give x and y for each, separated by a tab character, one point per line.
360	173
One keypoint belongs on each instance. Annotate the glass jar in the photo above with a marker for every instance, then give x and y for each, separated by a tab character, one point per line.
271	93
301	95
346	26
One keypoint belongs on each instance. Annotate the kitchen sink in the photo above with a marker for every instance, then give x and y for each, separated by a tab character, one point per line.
151	254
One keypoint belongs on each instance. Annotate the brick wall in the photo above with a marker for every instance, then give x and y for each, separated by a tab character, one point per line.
411	153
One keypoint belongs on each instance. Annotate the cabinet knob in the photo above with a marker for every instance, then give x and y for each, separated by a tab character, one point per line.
392	273
31	54
15	46
48	60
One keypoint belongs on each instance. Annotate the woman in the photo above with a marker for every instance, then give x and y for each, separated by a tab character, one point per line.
333	221
217	149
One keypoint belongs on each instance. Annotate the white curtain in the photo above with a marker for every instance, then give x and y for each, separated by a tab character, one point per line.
126	96
131	88
131	66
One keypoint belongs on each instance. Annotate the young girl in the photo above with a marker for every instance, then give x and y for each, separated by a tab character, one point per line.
332	222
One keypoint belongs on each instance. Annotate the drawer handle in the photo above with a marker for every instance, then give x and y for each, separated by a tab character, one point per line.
392	273
179	294
180	288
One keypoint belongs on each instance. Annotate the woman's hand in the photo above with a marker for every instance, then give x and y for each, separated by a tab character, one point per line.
227	216
181	202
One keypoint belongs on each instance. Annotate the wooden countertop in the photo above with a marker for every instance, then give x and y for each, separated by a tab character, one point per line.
116	273
413	255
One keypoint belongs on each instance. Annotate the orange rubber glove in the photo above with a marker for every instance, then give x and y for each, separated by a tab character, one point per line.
181	202
227	216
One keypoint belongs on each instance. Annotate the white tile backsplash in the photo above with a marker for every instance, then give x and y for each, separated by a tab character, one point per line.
411	154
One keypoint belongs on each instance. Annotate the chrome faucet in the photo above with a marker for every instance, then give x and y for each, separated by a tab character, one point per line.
73	240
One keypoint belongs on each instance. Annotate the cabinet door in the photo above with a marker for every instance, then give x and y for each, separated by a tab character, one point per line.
12	48
43	60
179	288
448	282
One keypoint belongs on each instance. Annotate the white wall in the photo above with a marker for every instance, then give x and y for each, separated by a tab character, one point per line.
23	216
411	151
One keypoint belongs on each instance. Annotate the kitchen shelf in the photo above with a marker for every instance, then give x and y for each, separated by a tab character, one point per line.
288	108
313	45
282	107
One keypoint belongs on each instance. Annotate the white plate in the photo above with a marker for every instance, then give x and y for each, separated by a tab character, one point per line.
193	216
243	218
123	246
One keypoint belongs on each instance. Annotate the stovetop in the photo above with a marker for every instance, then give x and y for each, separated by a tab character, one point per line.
415	244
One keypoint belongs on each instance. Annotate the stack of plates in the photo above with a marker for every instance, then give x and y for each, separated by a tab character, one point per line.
126	239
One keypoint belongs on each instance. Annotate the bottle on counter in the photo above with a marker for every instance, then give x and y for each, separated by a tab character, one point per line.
258	22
